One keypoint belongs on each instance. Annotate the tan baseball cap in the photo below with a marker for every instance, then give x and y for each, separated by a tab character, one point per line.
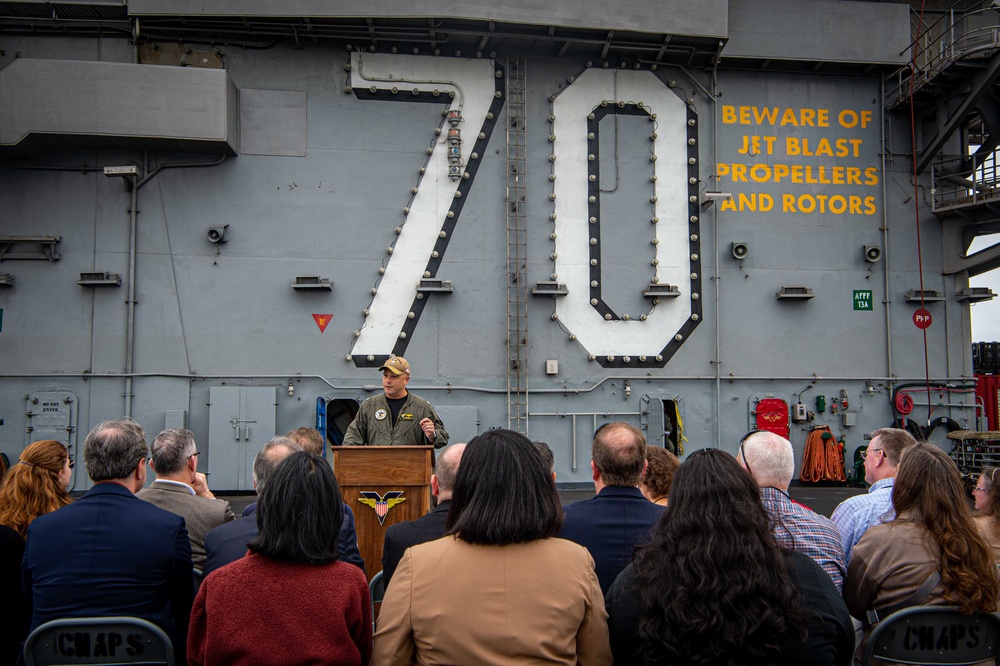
397	365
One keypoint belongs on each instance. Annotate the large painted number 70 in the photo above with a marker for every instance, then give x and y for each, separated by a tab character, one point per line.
476	89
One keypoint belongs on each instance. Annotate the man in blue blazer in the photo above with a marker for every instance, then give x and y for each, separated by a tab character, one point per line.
401	536
110	553
228	542
619	518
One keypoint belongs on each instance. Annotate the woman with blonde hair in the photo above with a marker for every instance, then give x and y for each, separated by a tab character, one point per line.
37	484
987	496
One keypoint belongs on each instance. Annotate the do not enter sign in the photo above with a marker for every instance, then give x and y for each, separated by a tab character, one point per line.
922	318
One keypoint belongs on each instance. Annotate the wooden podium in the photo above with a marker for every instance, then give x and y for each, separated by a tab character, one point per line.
393	481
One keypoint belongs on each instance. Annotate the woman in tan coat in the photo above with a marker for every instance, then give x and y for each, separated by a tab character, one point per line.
500	588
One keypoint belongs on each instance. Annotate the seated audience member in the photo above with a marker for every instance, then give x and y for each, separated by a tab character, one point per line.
110	553
987	496
289	601
309	439
180	489
619	518
771	462
714	587
228	543
499	589
931	554
14	611
660	467
856	514
401	536
35	485
548	458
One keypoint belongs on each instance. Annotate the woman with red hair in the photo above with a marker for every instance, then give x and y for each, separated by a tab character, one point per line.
32	487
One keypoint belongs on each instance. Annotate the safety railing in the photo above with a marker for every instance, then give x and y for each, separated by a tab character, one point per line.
959	182
950	39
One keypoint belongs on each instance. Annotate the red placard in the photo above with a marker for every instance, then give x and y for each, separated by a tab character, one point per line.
922	318
772	415
322	320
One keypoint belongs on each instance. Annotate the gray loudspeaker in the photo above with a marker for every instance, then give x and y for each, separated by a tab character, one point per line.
217	234
872	253
740	250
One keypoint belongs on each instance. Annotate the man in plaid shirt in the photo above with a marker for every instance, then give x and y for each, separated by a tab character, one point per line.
769	460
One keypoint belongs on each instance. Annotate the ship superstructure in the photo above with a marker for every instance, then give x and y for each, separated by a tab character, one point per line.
702	218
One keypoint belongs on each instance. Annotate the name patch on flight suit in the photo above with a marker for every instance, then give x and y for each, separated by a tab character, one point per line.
405	417
380	414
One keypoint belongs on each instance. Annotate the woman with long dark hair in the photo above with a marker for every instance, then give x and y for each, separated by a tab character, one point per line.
289	601
933	540
500	588
713	587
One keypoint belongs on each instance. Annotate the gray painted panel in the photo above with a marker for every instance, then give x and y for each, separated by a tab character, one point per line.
461	422
227	459
273	122
241	420
210	316
95	99
840	31
678	17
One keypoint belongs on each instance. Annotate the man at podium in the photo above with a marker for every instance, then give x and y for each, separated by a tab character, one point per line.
397	417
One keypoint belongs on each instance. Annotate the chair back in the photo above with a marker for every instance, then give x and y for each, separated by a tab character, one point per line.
934	635
98	640
376	589
198	575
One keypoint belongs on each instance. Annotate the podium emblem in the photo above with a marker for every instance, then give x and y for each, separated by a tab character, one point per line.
380	503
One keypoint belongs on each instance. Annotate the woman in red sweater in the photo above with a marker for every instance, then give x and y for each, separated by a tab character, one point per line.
289	601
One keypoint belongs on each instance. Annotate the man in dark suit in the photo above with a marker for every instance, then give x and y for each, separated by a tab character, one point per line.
401	536
110	553
619	518
228	543
180	489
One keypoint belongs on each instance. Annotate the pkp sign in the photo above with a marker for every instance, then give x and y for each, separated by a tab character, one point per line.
922	318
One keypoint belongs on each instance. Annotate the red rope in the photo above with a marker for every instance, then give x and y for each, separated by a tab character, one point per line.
916	191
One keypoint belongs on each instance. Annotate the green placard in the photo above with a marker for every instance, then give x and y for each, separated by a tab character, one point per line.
863	299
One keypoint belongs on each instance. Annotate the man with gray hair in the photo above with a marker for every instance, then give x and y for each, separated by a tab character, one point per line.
856	514
180	489
769	459
228	543
110	553
401	536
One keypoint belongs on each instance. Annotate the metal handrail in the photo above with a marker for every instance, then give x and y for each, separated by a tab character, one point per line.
980	184
938	54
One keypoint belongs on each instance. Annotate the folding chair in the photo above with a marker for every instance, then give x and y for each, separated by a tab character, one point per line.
934	635
98	640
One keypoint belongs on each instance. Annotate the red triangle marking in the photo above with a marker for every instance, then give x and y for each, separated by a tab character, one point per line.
322	320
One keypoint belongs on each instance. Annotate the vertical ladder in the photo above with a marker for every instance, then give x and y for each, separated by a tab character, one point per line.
517	245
